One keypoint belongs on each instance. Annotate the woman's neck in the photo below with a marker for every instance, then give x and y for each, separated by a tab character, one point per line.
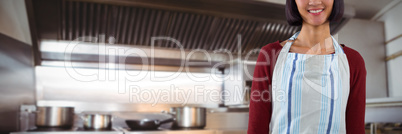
312	35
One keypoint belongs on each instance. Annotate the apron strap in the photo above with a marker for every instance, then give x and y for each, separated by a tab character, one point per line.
338	48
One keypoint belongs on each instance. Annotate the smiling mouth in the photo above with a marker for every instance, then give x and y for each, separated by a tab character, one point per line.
315	11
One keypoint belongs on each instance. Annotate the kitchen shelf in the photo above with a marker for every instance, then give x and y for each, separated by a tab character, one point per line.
380	102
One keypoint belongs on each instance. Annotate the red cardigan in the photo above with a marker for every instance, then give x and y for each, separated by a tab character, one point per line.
261	111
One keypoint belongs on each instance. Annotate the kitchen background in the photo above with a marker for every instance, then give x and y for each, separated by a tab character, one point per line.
104	75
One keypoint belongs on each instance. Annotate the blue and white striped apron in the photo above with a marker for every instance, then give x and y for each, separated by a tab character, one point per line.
310	92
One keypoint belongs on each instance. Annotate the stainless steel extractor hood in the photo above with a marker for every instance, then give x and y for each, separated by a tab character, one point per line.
228	26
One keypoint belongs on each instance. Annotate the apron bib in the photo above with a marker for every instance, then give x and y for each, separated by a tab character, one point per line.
309	92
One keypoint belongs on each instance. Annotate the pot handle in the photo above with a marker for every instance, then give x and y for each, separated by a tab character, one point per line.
82	118
31	111
166	112
81	115
166	121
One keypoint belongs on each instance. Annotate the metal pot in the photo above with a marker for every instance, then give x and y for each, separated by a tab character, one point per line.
189	117
55	117
97	121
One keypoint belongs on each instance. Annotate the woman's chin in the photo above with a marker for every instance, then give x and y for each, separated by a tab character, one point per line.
316	23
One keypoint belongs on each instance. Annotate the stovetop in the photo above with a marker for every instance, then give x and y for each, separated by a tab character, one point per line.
160	129
52	129
74	130
46	129
168	131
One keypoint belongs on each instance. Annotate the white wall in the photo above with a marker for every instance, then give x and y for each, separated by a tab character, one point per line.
14	20
367	37
392	22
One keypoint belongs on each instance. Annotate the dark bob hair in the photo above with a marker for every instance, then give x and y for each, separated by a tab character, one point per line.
293	16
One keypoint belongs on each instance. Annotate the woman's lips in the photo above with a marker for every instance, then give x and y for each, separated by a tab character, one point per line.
316	11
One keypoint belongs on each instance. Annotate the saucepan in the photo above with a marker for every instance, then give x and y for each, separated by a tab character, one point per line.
188	117
97	121
54	117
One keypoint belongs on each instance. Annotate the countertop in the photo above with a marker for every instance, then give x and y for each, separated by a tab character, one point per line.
204	131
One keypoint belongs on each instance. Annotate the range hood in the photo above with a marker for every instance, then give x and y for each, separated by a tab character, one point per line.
219	28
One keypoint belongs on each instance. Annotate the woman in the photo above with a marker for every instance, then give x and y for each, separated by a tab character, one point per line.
315	85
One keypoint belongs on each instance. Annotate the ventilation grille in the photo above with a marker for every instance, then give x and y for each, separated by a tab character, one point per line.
130	25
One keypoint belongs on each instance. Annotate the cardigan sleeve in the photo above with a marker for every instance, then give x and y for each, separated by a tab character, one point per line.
260	102
355	109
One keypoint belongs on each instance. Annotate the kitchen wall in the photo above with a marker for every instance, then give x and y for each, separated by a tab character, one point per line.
16	66
367	37
392	22
17	81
